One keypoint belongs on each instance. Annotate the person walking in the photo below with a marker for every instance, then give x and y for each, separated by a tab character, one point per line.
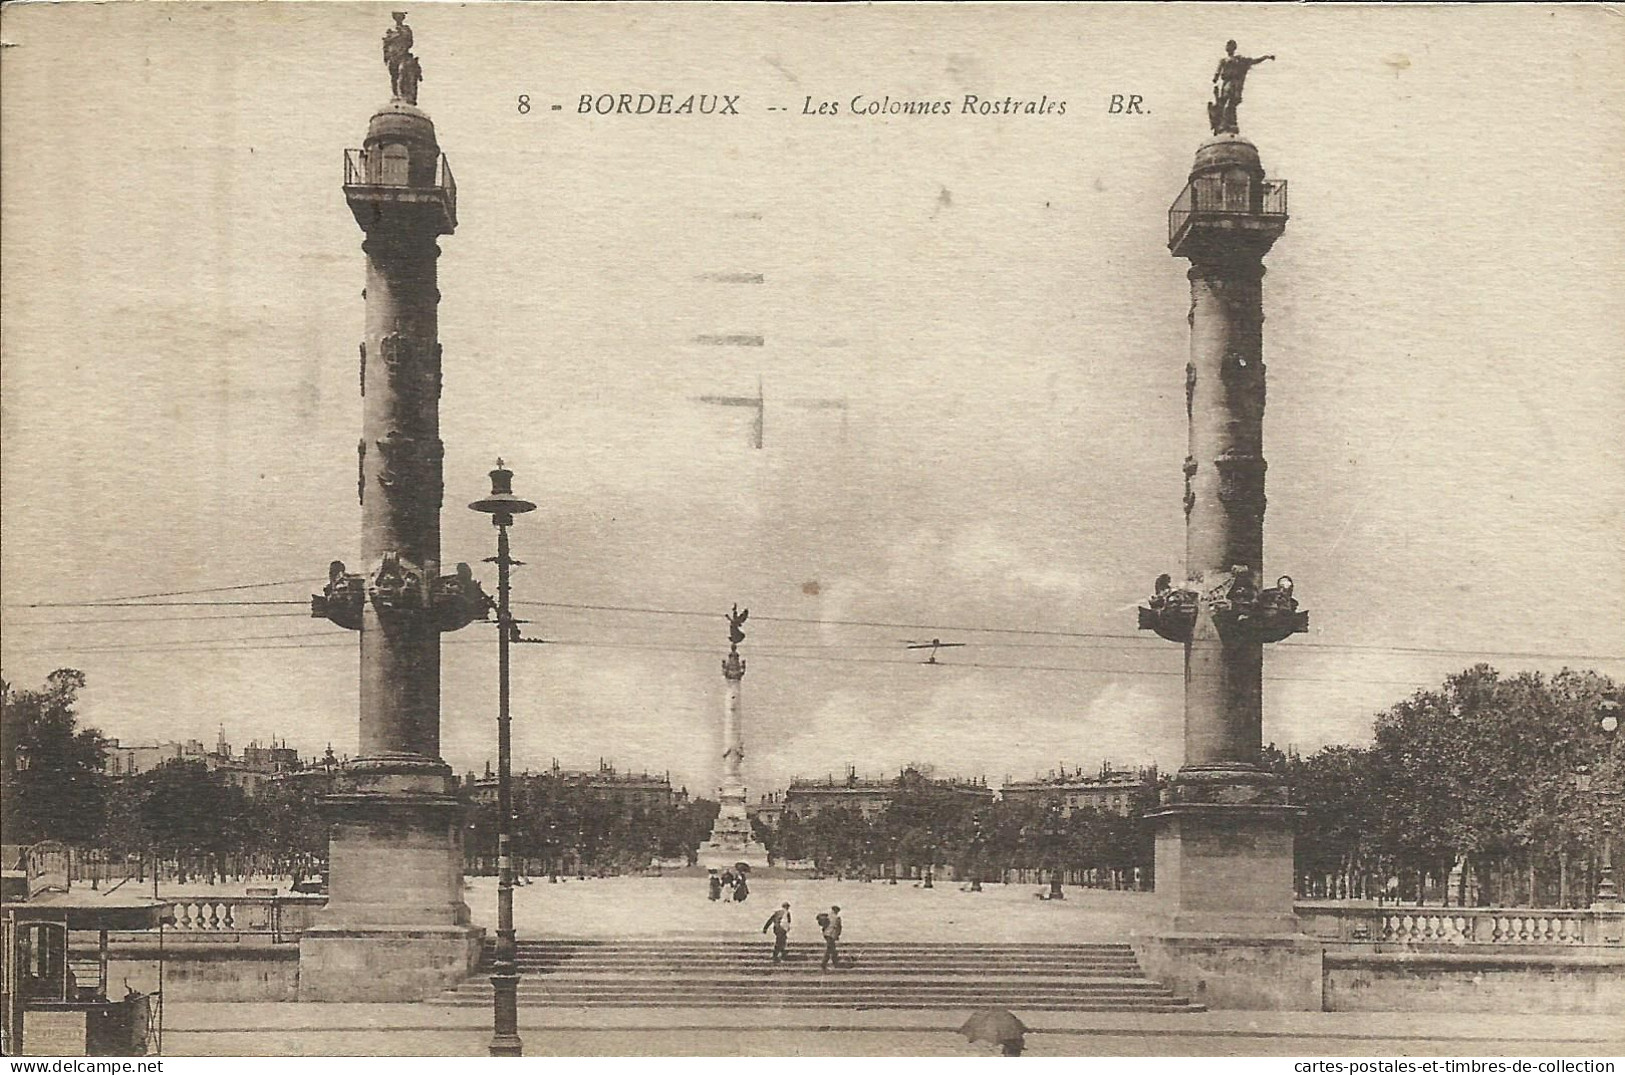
779	923
741	889
832	937
714	884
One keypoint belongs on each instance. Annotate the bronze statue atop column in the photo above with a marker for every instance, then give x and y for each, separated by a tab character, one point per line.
404	70
1228	81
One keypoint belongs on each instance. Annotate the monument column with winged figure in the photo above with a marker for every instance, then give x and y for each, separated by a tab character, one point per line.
732	840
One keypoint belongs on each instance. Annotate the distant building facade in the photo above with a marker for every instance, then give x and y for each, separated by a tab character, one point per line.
251	770
871	798
769	809
1115	791
627	792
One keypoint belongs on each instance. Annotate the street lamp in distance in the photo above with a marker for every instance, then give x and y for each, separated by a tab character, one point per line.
1608	725
502	505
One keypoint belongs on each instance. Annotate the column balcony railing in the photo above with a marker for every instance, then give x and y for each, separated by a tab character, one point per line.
1225	197
392	172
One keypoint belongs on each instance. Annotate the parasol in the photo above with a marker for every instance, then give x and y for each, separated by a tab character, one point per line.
998	1026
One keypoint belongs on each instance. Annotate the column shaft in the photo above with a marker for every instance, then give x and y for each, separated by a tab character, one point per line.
401	484
1225	526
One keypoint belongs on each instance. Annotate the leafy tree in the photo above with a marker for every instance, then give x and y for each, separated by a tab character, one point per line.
192	813
52	769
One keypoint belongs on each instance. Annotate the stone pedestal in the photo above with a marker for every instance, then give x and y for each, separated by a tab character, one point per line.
732	840
1224	933
384	963
1247	972
395	927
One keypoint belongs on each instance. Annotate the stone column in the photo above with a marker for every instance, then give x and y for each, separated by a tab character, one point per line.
733	739
396	926
1224	847
732	838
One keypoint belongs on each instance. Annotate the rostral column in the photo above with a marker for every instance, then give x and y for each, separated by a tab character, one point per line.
1224	844
396	926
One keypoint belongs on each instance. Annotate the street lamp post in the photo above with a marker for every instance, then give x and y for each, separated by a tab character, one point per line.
502	506
1607	894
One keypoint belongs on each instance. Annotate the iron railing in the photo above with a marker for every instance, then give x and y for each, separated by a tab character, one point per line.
391	166
1226	196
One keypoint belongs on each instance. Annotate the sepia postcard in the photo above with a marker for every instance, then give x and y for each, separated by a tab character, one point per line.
771	529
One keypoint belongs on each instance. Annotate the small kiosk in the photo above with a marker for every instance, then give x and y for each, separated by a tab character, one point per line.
49	966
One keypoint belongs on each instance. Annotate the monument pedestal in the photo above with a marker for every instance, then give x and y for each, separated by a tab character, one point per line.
732	839
395	927
1225	934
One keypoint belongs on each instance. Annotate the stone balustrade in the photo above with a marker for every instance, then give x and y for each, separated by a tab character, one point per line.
280	918
1416	926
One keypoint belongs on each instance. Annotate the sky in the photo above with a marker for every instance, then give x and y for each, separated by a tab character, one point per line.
990	297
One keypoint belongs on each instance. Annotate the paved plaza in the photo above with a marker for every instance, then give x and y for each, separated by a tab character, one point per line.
425	1030
622	907
676	907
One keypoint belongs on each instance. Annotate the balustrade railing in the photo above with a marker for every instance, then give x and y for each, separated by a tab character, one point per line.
1477	926
280	918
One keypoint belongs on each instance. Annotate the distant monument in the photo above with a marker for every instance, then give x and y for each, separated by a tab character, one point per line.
1228	81
1226	934
732	839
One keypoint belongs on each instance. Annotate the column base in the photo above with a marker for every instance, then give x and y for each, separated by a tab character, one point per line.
1225	934
732	838
395	857
384	963
1246	972
1225	867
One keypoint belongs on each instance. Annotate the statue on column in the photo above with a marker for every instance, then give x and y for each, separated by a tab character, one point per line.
1228	81
404	70
736	619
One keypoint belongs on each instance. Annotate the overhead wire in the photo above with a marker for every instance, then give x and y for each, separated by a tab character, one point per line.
158	600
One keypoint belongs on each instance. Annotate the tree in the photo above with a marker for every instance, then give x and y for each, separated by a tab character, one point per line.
193	813
1478	774
52	768
1337	847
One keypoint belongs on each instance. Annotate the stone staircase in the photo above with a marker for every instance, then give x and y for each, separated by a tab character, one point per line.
696	972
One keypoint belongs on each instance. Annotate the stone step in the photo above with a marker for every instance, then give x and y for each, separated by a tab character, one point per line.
870	950
728	971
734	940
808	951
763	965
823	979
1023	1003
814	952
